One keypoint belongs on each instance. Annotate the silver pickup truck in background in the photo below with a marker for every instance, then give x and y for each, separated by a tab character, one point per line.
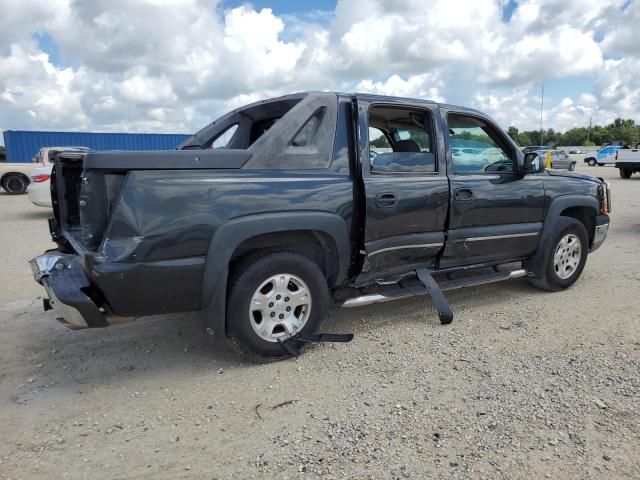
627	162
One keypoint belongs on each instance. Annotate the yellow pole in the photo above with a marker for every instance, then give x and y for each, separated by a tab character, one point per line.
547	163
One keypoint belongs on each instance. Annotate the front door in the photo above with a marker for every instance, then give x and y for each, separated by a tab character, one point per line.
406	187
496	214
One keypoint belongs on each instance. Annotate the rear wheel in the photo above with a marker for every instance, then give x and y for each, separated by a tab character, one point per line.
625	172
273	298
591	162
15	184
568	255
572	167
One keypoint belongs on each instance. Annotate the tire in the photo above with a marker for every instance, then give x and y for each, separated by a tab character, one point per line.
591	162
256	278
564	264
572	167
15	184
625	172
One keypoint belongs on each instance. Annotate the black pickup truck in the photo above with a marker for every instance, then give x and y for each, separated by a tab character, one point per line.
272	210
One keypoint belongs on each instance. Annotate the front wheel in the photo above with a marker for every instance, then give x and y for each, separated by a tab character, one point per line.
625	172
567	256
591	162
273	298
572	167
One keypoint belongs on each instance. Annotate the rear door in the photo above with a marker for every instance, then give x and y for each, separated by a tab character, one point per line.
406	187
496	214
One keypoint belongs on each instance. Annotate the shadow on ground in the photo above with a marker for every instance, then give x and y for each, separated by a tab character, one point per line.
161	345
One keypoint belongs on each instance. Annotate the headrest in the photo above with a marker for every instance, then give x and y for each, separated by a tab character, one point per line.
407	146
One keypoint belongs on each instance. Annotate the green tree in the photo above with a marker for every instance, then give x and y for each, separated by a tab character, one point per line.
524	140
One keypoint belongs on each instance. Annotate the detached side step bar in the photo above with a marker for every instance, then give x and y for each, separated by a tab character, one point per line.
407	292
445	314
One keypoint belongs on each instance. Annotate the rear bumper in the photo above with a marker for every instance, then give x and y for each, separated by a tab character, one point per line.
601	231
67	288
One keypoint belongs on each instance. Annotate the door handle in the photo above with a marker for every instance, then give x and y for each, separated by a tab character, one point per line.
387	199
463	194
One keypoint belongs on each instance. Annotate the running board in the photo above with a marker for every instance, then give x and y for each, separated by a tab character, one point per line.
409	292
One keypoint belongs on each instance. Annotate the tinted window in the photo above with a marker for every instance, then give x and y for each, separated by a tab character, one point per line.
477	147
400	140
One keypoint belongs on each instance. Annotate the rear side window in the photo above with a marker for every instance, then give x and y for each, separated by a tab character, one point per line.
401	140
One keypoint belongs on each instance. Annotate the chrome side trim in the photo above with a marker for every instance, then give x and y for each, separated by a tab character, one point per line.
401	247
496	237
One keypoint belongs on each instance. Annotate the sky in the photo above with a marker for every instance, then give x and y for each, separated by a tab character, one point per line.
176	65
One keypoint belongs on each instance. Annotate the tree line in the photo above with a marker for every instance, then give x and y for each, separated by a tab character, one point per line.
621	131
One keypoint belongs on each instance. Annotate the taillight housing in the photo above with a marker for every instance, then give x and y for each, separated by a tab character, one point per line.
604	194
40	178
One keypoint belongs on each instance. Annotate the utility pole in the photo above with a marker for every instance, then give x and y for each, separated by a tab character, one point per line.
541	107
589	130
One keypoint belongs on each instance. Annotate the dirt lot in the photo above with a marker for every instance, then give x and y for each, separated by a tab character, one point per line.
523	384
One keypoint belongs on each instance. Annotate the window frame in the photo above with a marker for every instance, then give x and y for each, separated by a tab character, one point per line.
432	136
500	140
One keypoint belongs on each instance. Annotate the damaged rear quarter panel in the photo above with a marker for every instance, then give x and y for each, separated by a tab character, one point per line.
159	234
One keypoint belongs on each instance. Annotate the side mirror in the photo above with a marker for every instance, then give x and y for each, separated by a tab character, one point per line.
533	163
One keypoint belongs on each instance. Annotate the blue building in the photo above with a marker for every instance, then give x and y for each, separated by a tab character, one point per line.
22	146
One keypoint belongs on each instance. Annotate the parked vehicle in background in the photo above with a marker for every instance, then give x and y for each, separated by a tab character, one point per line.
14	177
575	151
39	188
559	159
292	211
606	155
627	162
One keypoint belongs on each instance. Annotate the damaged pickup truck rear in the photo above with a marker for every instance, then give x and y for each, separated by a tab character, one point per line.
275	209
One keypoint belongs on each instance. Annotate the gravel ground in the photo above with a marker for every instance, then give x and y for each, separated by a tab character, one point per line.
523	384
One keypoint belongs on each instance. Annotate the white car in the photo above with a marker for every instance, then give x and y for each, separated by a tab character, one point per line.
39	189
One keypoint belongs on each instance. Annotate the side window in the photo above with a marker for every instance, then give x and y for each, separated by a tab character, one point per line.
400	140
307	136
476	148
225	137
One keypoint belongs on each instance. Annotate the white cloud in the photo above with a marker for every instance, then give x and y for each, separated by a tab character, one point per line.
417	86
142	88
174	65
